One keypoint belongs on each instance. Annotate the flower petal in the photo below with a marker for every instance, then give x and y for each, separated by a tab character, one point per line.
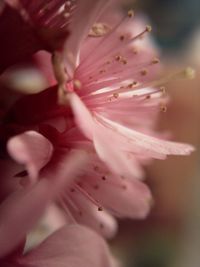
31	149
72	246
89	10
83	116
21	210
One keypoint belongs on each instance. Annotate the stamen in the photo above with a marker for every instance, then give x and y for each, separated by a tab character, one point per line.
98	30
130	13
148	28
155	61
89	197
163	108
144	72
77	84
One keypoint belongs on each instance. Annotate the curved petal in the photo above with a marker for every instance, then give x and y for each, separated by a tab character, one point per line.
21	210
89	10
82	115
72	246
86	213
125	198
31	149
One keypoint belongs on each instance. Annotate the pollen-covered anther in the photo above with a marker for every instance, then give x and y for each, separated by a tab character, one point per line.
148	96
99	29
130	85
115	95
77	84
155	60
143	72
189	73
62	95
163	108
118	58
130	13
66	15
163	90
148	28
124	61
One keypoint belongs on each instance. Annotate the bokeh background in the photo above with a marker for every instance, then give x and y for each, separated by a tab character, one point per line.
170	236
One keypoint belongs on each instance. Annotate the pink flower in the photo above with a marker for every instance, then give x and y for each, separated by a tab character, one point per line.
91	198
108	83
115	109
69	246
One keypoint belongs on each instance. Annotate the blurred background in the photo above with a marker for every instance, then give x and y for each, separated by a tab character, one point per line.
170	236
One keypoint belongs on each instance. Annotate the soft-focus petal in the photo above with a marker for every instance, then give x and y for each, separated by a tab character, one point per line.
31	149
21	210
72	246
83	116
89	10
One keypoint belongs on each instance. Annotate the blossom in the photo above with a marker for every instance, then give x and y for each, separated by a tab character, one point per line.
69	246
91	198
114	96
114	107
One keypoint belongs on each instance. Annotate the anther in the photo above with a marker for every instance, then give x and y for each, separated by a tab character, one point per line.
143	72
163	108
155	61
100	209
189	73
77	84
115	95
122	37
163	89
118	58
130	13
148	96
124	61
103	178
148	28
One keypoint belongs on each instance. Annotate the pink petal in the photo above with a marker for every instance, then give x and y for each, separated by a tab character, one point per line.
31	149
86	213
149	142
89	10
83	117
125	198
21	210
72	246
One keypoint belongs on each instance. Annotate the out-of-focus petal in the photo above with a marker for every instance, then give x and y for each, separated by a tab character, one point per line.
72	246
32	149
21	210
83	116
89	10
